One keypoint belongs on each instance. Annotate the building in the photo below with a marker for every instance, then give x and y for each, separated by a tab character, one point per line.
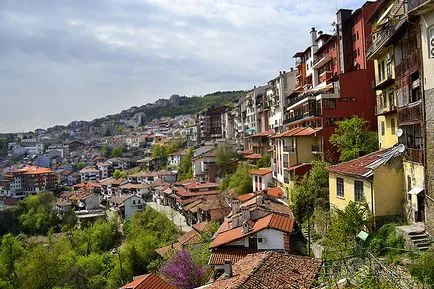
259	223
174	159
204	166
89	174
256	122
261	179
148	281
127	206
376	178
209	125
206	208
268	270
27	180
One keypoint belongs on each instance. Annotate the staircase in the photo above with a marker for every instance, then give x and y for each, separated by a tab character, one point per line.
420	240
415	236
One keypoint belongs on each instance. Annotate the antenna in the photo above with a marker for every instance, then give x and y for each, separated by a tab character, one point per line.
401	148
399	132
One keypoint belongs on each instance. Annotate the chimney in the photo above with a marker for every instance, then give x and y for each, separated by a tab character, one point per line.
228	268
246	227
246	213
320	33
313	36
260	200
235	206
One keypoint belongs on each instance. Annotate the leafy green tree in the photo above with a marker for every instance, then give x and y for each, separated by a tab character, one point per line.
117	174
36	213
159	153
105	151
10	251
312	192
353	140
240	182
119	128
9	222
117	151
423	269
264	161
185	170
175	145
81	165
225	154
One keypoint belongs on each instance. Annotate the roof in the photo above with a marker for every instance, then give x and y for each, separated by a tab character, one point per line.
253	156
130	186
209	154
200	227
271	270
284	223
120	200
298	131
261	172
264	133
148	281
33	170
246	152
276	192
190	238
363	166
234	254
245	197
89	170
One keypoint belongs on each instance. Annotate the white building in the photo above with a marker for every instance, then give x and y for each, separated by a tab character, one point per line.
89	174
128	205
261	178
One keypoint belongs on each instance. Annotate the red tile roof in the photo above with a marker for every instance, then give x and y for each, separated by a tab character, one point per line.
261	172
148	281
245	197
200	227
246	152
357	167
276	192
253	156
33	170
234	254
284	223
190	238
298	131
271	270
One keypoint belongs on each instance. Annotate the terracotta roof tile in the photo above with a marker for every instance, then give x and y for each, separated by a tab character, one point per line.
253	272
261	172
190	238
200	227
234	254
276	192
245	197
148	281
253	156
246	152
264	133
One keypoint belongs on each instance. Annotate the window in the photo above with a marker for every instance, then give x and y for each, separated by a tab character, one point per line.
329	103
340	187
357	35
358	51
392	126
134	202
409	187
383	129
358	191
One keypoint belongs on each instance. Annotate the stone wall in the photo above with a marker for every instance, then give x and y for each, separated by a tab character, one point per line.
429	151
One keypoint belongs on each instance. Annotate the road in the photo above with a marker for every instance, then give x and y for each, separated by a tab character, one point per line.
176	217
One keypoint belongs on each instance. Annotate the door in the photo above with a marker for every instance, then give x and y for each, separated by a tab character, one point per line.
420	214
253	243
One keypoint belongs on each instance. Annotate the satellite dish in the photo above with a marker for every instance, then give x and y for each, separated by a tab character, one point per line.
401	148
399	132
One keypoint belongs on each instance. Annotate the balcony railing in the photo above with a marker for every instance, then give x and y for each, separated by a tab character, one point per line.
410	113
409	65
381	83
301	116
380	40
317	149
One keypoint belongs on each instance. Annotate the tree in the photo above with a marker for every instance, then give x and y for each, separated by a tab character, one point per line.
182	272
225	154
117	174
312	192
81	165
36	213
353	140
264	161
185	170
10	251
117	152
159	153
240	181
105	151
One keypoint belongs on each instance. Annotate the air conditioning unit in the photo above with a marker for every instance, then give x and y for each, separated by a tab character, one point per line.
262	240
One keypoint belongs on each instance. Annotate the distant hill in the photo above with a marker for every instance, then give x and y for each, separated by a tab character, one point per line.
174	106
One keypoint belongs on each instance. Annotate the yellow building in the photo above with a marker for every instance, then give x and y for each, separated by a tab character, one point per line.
384	21
376	178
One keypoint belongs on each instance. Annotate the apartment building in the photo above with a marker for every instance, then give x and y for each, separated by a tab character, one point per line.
256	121
209	125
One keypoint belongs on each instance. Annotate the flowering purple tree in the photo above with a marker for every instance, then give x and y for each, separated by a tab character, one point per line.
182	272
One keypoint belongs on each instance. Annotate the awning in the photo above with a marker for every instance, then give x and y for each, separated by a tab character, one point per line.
415	191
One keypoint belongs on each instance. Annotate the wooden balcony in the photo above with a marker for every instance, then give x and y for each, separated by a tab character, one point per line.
411	113
409	65
414	155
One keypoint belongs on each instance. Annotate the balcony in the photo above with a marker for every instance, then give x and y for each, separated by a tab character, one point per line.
385	109
311	113
382	37
298	62
325	76
285	164
382	83
408	66
410	113
317	63
289	149
317	149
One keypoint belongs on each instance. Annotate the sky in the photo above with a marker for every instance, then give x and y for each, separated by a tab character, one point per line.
69	60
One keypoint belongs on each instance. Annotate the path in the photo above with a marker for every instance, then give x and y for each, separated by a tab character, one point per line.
175	216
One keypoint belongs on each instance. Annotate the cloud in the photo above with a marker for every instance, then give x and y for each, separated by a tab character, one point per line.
70	60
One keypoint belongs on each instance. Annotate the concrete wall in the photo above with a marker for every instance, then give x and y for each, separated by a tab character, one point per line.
414	173
273	240
133	205
342	202
389	139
